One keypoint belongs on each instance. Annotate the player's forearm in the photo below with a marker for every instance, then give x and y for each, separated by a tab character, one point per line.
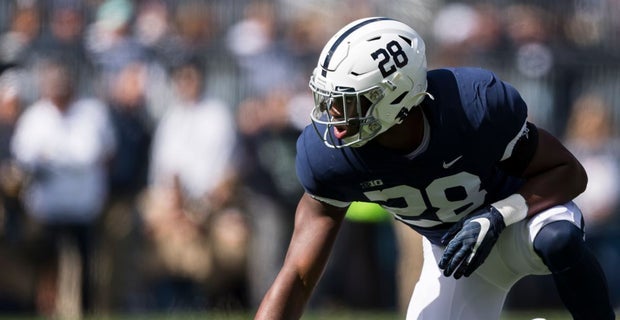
286	299
303	267
316	228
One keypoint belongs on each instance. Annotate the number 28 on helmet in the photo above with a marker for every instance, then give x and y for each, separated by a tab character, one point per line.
369	76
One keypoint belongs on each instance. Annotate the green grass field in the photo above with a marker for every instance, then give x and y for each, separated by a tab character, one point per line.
312	315
341	315
324	315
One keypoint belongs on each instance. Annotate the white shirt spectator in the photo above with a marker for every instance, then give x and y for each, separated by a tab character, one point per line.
194	143
66	152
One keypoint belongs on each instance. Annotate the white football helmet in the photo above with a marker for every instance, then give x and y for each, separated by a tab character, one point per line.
377	66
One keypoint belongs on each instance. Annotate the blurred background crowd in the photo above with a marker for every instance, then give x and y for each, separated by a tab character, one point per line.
147	147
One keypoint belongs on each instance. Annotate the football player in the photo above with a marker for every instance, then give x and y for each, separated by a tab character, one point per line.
450	153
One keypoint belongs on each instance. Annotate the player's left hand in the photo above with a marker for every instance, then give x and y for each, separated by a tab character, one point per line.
470	241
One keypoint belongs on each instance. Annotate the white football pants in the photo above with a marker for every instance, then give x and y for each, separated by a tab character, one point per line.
481	296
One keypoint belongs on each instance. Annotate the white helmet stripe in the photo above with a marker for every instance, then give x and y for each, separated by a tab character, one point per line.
336	43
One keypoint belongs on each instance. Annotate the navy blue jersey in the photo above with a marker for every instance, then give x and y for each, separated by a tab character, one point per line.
473	118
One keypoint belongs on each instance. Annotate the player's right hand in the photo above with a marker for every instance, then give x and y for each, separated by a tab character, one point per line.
469	242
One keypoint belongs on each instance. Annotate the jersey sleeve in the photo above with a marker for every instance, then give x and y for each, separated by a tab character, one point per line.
495	109
520	151
303	166
315	172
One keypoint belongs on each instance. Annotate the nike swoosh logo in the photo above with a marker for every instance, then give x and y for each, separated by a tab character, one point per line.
447	165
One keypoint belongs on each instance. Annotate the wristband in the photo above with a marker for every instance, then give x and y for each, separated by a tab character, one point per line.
513	208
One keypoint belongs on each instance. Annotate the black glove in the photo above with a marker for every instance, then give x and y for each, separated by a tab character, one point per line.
470	241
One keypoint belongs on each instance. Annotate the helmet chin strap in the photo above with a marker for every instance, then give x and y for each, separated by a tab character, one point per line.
420	97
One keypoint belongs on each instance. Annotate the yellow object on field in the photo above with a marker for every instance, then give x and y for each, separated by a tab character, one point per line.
366	212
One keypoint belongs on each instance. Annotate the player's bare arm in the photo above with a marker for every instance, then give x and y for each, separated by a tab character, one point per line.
316	227
554	176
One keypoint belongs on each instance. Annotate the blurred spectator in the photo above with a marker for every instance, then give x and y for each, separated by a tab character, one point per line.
196	29
173	33
367	250
467	34
133	128
24	27
110	42
16	280
589	137
192	212
63	36
199	32
269	133
153	29
274	59
304	36
409	265
530	33
17	44
263	61
63	141
586	26
453	27
11	177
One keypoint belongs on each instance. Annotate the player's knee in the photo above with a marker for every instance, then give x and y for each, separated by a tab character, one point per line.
560	244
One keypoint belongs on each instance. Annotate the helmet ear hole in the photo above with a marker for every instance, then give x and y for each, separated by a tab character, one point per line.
365	102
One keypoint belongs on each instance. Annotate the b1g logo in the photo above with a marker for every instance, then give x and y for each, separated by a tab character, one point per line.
441	206
371	183
392	52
